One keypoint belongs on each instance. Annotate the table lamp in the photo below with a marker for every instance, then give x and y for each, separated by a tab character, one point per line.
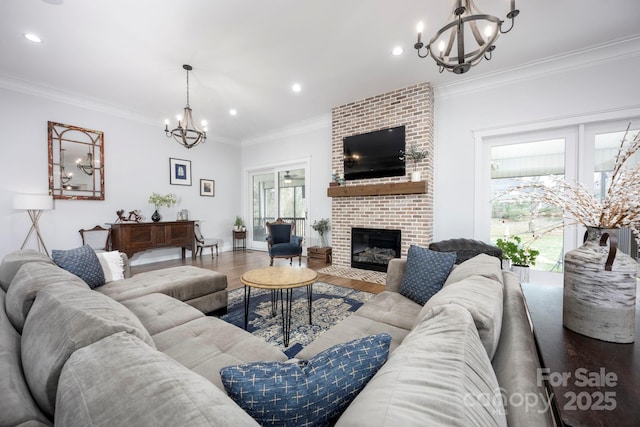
34	204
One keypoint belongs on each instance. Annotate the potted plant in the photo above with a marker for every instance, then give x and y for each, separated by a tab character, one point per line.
239	223
520	256
321	226
415	155
158	201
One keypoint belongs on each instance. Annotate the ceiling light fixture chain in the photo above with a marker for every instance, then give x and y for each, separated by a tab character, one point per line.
187	133
465	20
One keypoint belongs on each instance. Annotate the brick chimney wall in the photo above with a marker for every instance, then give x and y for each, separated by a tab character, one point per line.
413	214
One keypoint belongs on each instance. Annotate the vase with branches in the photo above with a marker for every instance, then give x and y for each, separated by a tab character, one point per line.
158	201
322	226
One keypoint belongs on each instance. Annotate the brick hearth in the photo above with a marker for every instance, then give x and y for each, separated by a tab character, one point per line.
413	214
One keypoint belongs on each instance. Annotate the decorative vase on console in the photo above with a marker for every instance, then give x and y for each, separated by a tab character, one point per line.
600	288
158	201
599	280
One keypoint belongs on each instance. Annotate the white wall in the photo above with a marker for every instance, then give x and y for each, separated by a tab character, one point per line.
309	140
605	88
136	164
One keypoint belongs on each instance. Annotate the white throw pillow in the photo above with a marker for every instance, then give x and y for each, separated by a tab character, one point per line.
112	265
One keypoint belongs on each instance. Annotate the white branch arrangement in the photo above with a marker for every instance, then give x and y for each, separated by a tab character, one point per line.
620	207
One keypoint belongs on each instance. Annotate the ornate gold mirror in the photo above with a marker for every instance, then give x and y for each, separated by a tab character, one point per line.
76	162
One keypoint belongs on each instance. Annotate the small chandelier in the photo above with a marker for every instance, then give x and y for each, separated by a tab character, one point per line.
64	176
87	165
186	133
465	21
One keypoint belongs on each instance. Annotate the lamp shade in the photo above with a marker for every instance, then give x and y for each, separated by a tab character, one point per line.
37	202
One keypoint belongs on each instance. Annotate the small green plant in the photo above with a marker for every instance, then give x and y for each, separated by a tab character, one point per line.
516	252
158	200
415	155
239	222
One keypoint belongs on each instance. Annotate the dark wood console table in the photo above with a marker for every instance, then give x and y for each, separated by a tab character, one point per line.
140	236
593	382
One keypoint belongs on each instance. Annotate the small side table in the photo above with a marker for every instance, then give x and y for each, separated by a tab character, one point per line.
239	237
318	253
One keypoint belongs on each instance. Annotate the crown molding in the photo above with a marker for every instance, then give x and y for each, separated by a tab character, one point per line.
298	128
81	101
584	58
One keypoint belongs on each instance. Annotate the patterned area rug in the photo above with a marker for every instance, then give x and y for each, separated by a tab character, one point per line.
331	304
356	273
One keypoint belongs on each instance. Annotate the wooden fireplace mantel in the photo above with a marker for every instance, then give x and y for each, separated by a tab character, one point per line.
385	189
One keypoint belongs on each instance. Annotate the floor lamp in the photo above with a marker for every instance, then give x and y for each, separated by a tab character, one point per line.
34	204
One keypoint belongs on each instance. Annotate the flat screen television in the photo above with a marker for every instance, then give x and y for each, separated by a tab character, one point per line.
375	154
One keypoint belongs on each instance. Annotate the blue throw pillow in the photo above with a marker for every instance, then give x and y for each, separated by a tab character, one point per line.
311	393
83	262
425	273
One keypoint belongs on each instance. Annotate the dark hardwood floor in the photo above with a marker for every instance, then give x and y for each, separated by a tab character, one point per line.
235	264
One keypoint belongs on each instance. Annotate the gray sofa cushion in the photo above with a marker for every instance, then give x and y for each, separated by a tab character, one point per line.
17	407
63	319
483	298
351	328
121	381
159	312
28	281
183	283
207	344
12	262
439	376
480	265
391	308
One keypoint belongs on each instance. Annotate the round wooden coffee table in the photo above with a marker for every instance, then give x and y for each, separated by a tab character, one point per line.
282	281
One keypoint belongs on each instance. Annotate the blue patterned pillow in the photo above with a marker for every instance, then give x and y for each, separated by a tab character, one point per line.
311	393
83	262
425	273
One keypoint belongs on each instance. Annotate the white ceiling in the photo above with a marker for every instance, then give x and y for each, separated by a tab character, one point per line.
246	54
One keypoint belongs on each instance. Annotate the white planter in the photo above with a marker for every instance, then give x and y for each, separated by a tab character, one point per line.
416	176
522	272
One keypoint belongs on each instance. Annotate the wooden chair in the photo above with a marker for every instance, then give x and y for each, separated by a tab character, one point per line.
98	238
202	243
281	241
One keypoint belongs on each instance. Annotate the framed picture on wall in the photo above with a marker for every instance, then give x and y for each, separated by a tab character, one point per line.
207	187
179	172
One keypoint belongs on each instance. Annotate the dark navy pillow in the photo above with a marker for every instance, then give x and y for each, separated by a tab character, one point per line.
311	393
83	262
425	273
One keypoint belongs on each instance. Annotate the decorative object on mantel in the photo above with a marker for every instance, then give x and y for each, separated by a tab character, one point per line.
415	155
187	133
158	201
134	216
465	20
599	281
519	256
322	226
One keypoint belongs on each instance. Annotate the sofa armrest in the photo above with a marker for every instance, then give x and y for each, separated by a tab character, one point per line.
395	271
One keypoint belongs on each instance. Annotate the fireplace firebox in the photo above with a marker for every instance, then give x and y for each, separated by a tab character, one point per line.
373	248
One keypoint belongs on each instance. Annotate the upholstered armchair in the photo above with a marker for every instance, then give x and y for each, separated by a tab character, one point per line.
281	241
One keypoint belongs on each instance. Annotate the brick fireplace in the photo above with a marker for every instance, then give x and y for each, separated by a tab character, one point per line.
411	213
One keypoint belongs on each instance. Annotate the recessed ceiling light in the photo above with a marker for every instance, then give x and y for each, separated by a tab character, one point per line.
296	87
233	112
397	51
32	37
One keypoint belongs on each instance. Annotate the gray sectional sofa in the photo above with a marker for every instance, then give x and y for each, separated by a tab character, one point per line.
73	356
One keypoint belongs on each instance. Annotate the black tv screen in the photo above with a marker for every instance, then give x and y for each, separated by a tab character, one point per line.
375	154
